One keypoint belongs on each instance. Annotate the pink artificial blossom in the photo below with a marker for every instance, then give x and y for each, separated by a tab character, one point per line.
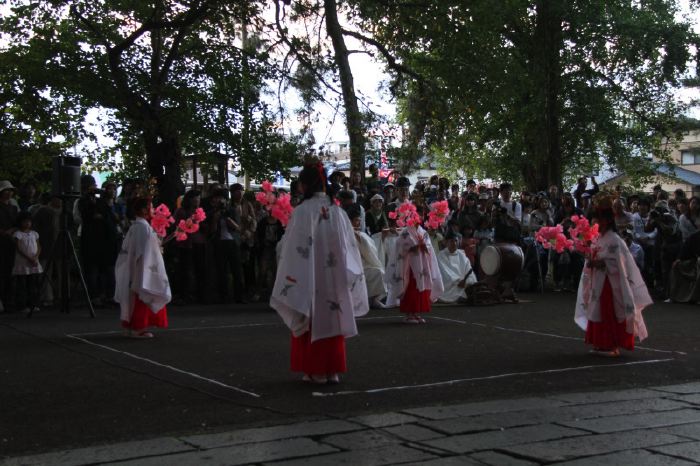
267	186
583	234
406	215
282	209
438	214
261	197
553	238
162	210
161	220
199	215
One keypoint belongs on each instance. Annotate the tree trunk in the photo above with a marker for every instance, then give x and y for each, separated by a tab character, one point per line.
163	161
544	161
353	118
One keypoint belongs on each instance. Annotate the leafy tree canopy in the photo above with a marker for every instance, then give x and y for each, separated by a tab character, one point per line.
173	78
535	91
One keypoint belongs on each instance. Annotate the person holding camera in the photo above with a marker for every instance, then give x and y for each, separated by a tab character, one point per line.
224	223
645	237
581	189
667	246
99	240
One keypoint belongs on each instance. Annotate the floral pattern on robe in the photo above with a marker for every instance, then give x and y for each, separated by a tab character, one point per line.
320	283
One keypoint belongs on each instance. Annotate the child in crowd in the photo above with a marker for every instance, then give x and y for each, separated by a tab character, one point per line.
27	269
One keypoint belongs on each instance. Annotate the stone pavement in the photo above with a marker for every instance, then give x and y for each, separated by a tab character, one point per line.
645	426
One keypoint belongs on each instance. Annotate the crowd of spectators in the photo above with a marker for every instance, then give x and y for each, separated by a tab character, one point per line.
232	258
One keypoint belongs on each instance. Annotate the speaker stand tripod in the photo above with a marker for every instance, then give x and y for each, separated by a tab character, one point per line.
65	246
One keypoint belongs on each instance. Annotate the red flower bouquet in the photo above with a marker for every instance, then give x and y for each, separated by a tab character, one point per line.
438	214
280	207
161	221
554	238
406	215
583	234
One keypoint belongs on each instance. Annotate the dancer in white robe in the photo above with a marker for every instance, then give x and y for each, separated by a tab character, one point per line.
319	288
142	288
372	265
413	276
611	293
456	271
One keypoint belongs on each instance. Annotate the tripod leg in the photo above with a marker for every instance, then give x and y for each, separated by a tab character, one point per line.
539	270
82	277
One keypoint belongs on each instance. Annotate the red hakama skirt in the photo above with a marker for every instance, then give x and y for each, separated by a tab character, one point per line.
322	357
414	301
608	334
143	317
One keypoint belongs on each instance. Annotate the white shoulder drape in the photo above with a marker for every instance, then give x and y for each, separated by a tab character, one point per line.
320	284
140	270
630	293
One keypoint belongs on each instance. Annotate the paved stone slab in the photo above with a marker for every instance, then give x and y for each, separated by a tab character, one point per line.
102	454
683	389
606	396
473	409
686	430
388	455
692	398
690	450
262	434
361	440
384	420
413	433
502	438
239	454
493	458
568	449
449	461
631	457
550	415
636	421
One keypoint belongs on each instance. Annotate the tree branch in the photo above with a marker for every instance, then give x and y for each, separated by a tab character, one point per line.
393	64
302	59
191	17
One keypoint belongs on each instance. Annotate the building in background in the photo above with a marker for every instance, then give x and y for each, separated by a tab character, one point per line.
685	174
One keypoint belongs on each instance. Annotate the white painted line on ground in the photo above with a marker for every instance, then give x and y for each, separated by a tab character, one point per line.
213	327
172	368
552	335
381	317
489	377
180	329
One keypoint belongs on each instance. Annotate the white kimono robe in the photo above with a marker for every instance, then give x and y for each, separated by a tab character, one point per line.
401	263
140	271
630	293
320	280
372	265
453	268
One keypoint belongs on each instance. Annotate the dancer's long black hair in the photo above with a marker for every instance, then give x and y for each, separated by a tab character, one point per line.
313	179
607	215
